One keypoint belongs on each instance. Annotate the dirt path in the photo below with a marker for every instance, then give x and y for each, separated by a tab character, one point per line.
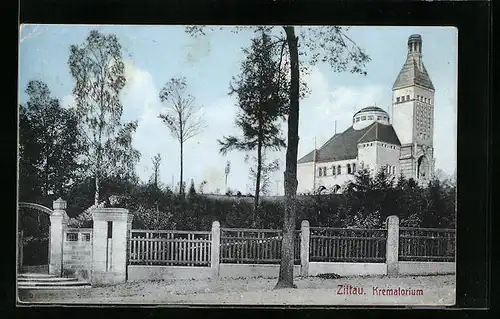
427	290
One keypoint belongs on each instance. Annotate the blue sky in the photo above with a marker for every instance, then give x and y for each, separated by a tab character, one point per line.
154	54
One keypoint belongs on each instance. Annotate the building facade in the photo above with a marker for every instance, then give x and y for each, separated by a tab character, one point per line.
401	145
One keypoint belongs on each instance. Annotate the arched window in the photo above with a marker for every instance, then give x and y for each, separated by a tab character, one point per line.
339	171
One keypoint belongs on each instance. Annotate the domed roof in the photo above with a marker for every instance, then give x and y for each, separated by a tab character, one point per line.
370	109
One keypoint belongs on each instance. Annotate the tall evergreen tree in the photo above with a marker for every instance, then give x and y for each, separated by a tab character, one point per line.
261	91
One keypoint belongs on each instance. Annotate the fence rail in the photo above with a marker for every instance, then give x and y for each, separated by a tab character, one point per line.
254	246
426	244
347	245
170	248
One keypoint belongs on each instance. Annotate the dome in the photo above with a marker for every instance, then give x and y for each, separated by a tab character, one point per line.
370	109
368	115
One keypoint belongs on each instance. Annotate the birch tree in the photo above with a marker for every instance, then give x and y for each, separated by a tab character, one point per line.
99	73
182	117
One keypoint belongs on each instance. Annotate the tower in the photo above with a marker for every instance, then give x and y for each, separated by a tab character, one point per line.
413	115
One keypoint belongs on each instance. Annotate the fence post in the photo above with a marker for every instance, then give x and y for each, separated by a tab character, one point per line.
304	248
58	222
392	248
215	258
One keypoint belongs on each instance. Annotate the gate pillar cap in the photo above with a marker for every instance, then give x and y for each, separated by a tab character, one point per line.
59	204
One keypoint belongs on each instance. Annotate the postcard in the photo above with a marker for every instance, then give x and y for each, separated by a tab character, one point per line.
237	165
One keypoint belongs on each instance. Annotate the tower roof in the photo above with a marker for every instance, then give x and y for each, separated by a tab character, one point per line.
413	71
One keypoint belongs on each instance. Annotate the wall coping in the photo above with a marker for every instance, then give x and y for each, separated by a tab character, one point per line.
111	214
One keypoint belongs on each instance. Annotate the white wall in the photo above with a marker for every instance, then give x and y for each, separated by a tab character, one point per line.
367	156
388	154
347	269
402	117
305	177
331	180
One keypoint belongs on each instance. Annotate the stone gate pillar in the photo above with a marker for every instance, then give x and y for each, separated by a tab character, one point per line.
109	245
58	222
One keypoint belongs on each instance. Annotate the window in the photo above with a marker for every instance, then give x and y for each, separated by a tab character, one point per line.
379	118
324	171
320	172
333	170
393	169
86	236
363	118
353	168
370	117
349	169
407	97
398	99
339	171
72	236
357	119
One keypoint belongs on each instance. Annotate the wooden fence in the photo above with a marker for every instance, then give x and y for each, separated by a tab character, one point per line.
263	246
254	246
426	244
347	245
170	248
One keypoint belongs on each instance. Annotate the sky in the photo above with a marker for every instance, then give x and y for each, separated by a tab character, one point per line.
155	54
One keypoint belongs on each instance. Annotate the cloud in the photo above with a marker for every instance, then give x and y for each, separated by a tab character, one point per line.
68	102
202	160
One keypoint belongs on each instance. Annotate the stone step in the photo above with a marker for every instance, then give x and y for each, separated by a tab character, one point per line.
46	279
52	284
35	275
87	286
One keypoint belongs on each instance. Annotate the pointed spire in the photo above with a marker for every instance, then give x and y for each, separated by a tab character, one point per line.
413	71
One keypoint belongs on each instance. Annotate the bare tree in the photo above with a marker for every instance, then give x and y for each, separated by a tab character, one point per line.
182	117
156	170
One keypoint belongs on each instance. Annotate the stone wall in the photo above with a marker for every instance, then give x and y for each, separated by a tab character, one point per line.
77	253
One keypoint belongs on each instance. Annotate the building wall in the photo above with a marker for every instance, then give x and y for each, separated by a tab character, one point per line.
388	154
77	253
305	177
375	155
329	180
367	156
403	114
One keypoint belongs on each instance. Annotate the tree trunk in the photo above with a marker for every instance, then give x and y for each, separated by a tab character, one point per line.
285	279
96	195
257	182
181	183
